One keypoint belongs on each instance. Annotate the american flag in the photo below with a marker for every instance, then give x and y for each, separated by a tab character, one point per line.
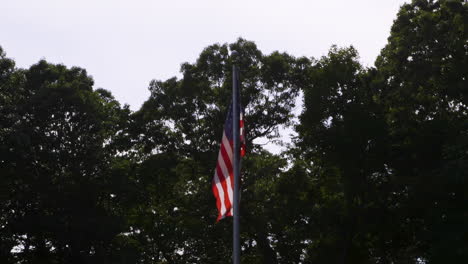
223	180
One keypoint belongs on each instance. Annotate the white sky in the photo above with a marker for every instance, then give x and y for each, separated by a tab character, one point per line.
125	44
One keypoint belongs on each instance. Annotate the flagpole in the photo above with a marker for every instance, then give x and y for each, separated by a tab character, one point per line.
235	134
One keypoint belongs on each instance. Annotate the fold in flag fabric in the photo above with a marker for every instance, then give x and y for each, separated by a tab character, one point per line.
223	180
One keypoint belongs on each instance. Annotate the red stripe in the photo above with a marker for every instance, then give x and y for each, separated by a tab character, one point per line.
228	163
222	179
226	158
216	194
231	171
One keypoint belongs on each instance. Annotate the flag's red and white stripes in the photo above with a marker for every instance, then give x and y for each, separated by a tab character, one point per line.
223	180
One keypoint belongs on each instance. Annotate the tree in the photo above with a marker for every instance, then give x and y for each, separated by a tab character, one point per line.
185	118
57	155
423	90
10	80
385	143
342	136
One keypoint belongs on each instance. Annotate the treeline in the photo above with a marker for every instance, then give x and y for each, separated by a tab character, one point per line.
377	174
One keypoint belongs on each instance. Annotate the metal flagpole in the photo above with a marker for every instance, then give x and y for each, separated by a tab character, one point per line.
235	134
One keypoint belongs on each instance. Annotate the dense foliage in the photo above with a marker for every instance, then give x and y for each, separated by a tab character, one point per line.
378	172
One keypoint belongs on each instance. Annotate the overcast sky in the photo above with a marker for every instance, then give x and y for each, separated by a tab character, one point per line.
125	44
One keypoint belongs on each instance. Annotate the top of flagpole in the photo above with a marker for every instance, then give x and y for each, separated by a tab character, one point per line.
234	57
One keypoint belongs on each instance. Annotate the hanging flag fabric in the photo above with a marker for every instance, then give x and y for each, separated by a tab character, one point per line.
223	180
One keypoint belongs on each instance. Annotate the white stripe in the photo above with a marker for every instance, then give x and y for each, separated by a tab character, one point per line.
225	172
227	146
220	192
